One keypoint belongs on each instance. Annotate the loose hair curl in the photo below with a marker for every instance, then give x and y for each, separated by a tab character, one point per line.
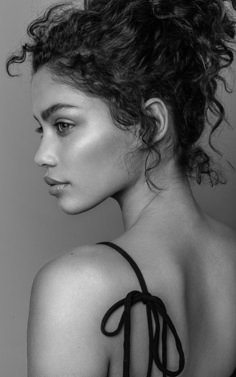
127	51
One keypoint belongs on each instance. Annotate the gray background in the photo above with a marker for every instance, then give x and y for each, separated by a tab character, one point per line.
33	229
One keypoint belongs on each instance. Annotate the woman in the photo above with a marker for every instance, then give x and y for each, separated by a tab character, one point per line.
122	92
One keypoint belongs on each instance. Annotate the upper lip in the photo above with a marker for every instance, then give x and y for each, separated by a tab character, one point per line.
51	181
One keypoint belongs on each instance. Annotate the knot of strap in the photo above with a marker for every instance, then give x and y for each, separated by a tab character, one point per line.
156	310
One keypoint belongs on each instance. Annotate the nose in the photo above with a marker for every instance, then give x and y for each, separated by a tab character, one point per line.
46	154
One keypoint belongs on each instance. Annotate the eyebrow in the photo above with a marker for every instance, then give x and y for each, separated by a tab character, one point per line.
45	114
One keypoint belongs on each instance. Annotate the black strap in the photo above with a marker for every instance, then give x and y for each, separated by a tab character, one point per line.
234	373
155	309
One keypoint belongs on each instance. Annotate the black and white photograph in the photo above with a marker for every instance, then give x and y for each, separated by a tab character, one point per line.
118	188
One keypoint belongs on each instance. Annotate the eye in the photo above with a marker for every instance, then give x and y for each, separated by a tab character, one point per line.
63	127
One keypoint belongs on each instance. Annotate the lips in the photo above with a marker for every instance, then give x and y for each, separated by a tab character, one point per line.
53	182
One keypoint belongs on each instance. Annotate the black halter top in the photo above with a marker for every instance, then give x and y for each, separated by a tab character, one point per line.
155	309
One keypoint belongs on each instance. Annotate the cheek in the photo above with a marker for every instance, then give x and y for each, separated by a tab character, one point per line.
97	169
97	157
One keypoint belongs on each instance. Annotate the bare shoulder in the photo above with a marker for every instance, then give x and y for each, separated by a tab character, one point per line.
89	272
93	268
69	298
86	263
222	238
220	281
219	245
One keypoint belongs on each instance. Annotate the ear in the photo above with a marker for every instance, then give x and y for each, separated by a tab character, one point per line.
157	110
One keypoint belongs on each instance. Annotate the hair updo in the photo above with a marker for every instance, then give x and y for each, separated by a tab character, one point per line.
127	51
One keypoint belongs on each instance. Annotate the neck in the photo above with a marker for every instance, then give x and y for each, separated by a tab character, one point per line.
141	206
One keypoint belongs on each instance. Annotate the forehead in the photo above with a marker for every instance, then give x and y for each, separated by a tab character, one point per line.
46	91
43	82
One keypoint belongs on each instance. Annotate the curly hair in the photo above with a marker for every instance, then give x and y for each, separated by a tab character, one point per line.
127	51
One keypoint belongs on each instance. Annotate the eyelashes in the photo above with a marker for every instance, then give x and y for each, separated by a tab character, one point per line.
62	128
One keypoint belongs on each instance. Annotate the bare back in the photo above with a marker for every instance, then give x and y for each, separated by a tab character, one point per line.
198	287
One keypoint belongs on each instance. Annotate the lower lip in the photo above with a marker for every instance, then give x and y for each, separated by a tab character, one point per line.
58	189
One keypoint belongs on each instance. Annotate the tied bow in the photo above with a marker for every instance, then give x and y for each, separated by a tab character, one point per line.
156	308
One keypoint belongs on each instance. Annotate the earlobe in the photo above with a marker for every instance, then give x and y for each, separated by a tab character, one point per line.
157	110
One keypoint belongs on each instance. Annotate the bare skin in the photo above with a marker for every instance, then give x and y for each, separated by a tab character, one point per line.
189	260
193	271
186	258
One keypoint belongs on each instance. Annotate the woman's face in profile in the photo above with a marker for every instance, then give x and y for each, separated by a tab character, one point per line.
80	145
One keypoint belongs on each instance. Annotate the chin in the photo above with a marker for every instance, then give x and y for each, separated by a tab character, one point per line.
72	207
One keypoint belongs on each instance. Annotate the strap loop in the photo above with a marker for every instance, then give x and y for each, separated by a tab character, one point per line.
155	307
